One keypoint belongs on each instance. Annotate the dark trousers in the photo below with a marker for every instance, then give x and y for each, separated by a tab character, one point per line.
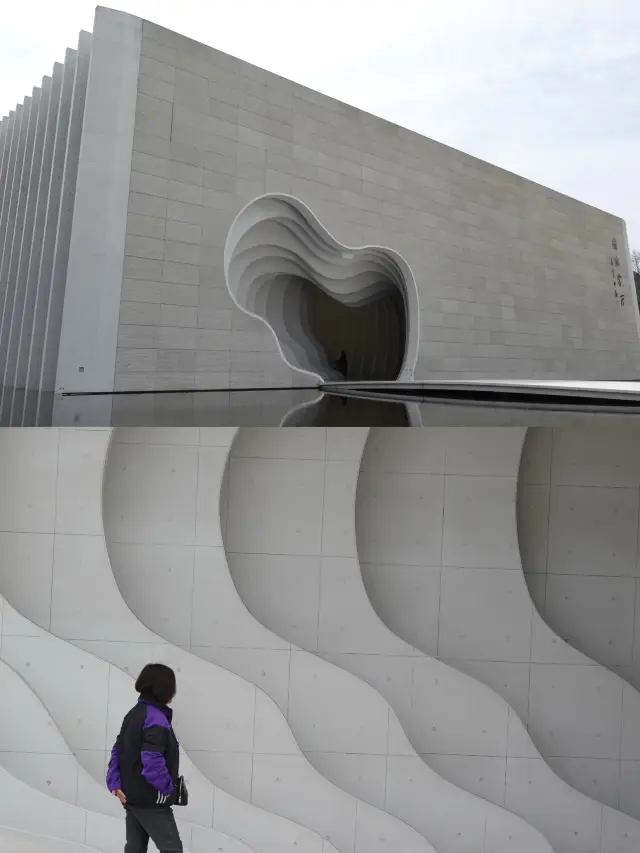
157	824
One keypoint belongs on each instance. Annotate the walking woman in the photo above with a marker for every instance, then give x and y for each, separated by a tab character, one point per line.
144	767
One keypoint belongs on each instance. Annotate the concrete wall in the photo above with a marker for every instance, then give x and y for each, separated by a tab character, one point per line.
263	566
513	278
481	617
346	729
225	721
92	298
578	506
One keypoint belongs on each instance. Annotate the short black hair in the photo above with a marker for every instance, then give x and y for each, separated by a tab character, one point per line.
158	681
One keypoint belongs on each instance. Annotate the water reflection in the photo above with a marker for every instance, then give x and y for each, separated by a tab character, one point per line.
284	407
342	412
306	407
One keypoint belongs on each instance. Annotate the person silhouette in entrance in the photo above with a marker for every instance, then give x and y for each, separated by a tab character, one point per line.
342	364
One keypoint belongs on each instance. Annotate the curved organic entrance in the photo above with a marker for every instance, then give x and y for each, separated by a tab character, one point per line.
337	312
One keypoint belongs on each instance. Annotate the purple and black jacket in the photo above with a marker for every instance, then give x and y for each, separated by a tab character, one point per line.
145	759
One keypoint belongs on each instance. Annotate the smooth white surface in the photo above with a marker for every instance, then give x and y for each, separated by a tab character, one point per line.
167	529
12	841
345	629
233	719
578	507
28	810
99	691
33	749
482	619
88	336
461	728
348	634
137	500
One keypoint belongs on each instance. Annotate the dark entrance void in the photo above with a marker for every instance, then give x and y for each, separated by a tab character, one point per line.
357	342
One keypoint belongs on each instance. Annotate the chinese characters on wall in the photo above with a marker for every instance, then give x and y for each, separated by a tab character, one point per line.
616	274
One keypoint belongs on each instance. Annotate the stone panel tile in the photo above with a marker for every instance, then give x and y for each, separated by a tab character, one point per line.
155	88
181	273
183	232
135	360
186	253
144	247
148	205
150	165
162	71
139	314
178	315
145	226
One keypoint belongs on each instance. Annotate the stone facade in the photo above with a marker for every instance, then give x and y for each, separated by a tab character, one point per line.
512	279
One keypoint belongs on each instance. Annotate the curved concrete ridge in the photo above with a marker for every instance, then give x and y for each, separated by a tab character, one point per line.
39	811
25	809
276	243
44	662
49	764
457	820
295	784
469	478
343	724
578	522
595	472
56	485
12	841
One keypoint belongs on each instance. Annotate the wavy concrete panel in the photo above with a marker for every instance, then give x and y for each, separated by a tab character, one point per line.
221	718
136	475
461	485
33	748
462	728
34	754
578	507
12	841
344	726
282	266
25	809
70	502
342	624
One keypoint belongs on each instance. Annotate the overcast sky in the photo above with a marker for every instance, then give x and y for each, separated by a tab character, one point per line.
549	89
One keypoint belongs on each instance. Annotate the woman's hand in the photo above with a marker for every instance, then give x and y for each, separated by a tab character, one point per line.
120	795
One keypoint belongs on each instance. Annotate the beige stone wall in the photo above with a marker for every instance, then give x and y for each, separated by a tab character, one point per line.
514	279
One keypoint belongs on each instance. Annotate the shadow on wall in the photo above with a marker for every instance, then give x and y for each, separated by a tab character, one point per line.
336	312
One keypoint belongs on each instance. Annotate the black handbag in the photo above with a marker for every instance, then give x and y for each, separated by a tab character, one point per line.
182	794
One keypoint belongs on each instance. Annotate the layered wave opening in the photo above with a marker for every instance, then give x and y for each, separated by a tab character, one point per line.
337	312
